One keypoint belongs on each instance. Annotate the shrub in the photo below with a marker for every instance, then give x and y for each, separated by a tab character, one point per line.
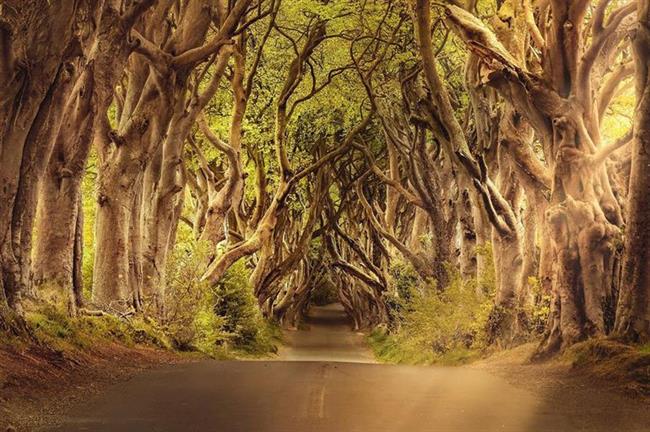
433	325
243	326
223	319
190	321
404	278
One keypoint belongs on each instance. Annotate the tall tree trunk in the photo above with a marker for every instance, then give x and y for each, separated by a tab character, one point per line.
116	195
467	237
582	239
135	229
633	314
34	36
60	194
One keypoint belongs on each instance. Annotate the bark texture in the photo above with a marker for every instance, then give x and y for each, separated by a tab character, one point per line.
633	314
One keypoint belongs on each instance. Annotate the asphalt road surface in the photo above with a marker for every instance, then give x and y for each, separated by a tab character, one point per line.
325	380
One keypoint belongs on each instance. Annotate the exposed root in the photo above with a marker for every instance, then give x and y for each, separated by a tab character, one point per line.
92	312
14	325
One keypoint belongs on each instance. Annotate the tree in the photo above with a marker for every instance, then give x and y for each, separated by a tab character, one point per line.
633	314
105	51
584	216
156	89
40	47
384	147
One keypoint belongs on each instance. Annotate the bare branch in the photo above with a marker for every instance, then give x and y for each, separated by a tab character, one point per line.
605	152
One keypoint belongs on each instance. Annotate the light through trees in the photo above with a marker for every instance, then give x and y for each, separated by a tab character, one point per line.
477	156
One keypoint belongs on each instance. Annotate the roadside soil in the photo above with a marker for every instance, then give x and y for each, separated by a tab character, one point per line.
623	372
37	382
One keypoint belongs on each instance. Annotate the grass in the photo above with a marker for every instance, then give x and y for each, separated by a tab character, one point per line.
627	366
387	349
53	327
394	349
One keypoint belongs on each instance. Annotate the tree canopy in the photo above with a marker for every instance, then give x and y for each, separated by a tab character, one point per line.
482	161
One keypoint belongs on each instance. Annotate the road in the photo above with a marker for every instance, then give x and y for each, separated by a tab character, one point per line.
325	381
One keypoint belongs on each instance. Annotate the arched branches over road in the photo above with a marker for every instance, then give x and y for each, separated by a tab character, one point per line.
394	154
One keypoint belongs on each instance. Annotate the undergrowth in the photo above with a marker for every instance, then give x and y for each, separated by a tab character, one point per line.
429	325
436	327
221	321
242	326
447	325
56	329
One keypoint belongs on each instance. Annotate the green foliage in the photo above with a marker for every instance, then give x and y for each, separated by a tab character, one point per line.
189	318
487	280
538	311
618	118
54	328
404	278
89	209
222	320
435	326
243	327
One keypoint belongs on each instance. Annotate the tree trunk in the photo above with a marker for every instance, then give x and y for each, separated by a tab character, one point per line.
162	216
633	314
467	236
135	247
60	193
111	269
32	90
78	255
56	228
582	240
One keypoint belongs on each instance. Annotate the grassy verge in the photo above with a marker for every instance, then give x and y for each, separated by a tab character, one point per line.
625	366
55	329
395	349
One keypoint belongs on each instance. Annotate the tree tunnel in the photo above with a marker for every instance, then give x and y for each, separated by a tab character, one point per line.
311	144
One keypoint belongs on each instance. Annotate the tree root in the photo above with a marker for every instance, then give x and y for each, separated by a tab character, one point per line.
13	324
92	312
